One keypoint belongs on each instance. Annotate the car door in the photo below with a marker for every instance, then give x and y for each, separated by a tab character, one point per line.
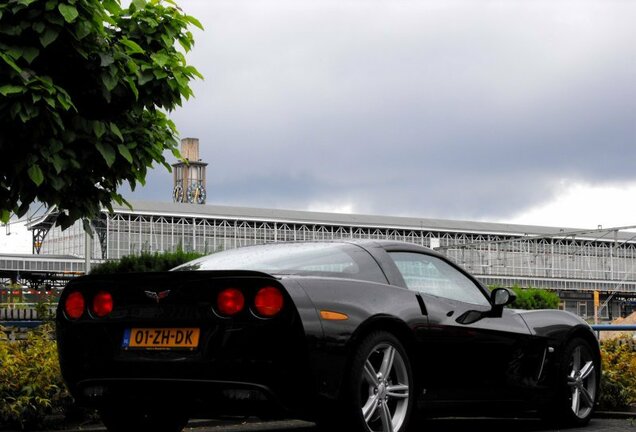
469	355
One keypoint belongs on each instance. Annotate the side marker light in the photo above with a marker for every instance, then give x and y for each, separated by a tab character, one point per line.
333	316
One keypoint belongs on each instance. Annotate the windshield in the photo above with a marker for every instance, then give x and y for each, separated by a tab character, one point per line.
321	259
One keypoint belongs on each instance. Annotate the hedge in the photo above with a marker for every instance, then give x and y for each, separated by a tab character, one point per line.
533	298
146	262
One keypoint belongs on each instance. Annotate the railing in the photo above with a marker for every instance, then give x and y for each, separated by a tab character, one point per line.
598	328
24	311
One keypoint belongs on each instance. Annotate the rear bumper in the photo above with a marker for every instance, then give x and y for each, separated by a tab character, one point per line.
202	398
233	372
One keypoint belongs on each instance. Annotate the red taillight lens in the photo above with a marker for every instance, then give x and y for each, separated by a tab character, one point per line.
74	305
268	302
102	304
230	301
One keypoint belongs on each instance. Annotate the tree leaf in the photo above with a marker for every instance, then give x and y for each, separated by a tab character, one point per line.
112	6
57	183
64	101
107	152
38	26
99	128
5	215
133	47
36	175
8	89
49	36
145	78
10	62
30	53
133	87
58	163
69	12
83	29
115	130
106	59
193	20
132	66
160	59
110	81
123	150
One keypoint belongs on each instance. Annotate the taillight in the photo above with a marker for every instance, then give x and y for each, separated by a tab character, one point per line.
74	305
230	301
102	304
268	302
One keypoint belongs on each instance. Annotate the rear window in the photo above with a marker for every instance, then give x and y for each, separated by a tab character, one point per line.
310	259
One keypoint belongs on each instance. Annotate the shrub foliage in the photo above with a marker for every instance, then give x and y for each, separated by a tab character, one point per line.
533	298
31	386
618	383
146	261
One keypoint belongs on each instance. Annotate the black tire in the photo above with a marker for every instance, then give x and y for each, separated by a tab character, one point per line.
577	385
378	383
127	419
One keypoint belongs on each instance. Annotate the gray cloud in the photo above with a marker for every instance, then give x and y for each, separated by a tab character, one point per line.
458	109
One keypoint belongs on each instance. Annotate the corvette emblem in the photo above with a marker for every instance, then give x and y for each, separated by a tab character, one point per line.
157	295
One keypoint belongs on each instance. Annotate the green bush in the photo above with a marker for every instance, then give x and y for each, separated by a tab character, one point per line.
31	386
146	262
618	391
533	298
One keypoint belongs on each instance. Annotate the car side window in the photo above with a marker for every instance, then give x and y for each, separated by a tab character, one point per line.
431	275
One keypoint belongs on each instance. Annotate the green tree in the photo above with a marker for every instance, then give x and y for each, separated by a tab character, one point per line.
84	90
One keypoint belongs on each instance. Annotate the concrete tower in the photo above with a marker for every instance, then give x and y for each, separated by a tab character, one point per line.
189	176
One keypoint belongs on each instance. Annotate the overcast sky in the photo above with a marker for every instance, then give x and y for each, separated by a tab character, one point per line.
486	110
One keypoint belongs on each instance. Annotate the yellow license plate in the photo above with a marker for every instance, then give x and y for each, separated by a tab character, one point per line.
161	338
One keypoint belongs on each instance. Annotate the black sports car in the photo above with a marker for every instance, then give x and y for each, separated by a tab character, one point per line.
355	335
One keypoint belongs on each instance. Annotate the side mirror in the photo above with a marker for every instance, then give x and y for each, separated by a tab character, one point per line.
500	297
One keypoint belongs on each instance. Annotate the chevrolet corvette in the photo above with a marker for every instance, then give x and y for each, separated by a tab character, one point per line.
357	335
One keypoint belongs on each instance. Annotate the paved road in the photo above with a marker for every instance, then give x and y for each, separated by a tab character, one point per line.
437	425
433	425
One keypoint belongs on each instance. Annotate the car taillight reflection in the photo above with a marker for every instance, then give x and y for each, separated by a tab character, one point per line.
230	301
268	302
74	305
102	304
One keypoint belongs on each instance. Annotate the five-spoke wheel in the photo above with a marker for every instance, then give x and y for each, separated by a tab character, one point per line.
380	384
582	380
577	386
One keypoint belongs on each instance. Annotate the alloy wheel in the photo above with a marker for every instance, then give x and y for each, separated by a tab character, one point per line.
581	381
384	389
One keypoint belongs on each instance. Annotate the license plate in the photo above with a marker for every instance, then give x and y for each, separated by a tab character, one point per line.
161	338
